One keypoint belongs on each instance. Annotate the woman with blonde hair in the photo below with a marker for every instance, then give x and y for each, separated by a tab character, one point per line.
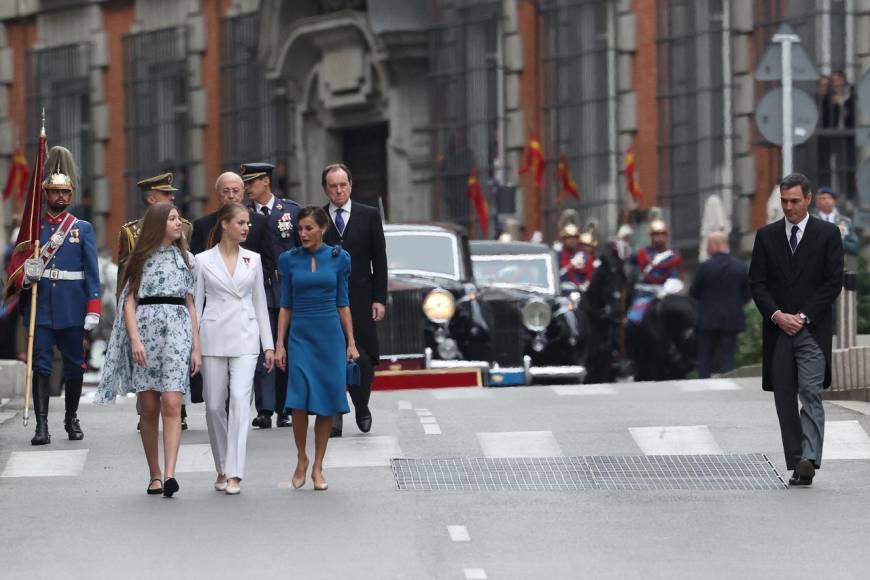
230	300
154	346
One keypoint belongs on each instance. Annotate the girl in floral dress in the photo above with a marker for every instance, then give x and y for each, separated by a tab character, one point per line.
154	347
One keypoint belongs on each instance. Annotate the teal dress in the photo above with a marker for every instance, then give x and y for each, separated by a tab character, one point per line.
316	350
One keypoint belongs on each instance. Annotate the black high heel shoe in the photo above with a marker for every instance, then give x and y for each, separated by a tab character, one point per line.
170	486
154	491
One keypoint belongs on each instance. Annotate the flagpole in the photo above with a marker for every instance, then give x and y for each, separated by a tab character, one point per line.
34	295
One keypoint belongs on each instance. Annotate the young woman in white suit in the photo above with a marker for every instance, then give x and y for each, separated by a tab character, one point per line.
234	324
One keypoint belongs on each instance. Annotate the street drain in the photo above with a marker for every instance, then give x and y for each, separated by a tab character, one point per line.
608	472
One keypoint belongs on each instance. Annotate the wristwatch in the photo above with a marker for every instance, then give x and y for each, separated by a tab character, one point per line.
803	317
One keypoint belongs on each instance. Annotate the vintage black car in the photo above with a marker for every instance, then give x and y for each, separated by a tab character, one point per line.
534	329
433	311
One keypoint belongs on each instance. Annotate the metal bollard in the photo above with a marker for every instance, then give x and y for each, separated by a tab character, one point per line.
847	313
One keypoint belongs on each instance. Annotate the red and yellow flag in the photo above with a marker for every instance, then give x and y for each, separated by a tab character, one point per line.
18	174
630	178
28	232
568	185
475	194
534	161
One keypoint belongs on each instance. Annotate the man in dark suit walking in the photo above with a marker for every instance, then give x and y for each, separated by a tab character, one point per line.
359	230
795	275
721	288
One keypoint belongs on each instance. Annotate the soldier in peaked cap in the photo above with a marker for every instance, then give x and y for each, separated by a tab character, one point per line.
270	389
157	189
68	298
656	264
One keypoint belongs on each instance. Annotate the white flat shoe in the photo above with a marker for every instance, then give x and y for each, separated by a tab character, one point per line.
220	483
233	487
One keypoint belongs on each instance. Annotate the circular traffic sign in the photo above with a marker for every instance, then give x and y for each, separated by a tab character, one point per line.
805	115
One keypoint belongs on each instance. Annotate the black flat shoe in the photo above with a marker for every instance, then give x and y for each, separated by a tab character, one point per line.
154	491
184	424
170	486
800	481
364	422
262	422
283	421
335	433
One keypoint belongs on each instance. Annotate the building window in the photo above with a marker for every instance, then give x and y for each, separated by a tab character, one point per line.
156	120
58	81
464	74
691	112
254	111
825	29
576	107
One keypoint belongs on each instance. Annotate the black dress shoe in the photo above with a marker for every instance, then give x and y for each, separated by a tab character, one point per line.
335	433
364	421
184	423
262	422
799	480
283	420
170	486
73	428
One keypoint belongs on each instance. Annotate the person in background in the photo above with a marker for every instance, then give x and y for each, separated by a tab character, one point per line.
826	210
721	287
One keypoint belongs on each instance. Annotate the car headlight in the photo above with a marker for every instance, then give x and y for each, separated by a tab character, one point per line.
439	305
536	315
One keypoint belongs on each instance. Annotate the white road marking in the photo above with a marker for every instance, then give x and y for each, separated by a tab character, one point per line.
423	412
519	444
425	420
845	440
475	574
862	407
574	390
697	385
362	451
675	440
462	393
405	405
432	429
195	458
46	463
458	533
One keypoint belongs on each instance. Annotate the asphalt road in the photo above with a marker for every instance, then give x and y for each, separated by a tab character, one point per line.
78	509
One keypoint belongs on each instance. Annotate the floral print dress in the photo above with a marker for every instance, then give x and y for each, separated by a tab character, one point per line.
165	331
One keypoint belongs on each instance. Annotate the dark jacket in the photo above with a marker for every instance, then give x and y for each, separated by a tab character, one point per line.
721	287
281	227
807	281
364	240
258	241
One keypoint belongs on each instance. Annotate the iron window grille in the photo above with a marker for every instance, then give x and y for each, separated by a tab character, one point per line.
59	81
691	112
576	114
464	70
156	119
826	30
255	120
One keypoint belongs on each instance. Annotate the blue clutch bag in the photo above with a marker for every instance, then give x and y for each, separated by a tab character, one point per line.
353	374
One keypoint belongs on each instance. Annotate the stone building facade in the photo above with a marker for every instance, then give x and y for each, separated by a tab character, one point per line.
415	94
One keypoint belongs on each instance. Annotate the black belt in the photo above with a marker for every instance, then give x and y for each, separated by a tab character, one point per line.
162	300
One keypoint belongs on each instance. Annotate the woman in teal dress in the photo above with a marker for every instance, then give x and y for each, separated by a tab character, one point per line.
315	307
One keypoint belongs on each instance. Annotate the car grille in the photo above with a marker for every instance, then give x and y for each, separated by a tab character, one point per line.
506	329
401	332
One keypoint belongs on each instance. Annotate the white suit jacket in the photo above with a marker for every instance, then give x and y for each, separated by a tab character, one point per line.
232	312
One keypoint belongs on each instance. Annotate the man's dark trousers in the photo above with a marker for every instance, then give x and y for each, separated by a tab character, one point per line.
716	350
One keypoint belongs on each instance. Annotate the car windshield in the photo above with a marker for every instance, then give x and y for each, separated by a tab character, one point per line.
425	253
534	273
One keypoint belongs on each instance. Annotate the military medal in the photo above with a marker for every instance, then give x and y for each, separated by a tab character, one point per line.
285	225
279	207
74	236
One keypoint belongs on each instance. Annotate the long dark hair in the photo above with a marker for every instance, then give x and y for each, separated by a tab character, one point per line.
150	238
225	214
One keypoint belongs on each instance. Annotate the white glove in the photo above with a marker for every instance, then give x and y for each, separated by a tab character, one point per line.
91	321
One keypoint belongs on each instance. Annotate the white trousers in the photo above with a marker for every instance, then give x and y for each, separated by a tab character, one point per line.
228	435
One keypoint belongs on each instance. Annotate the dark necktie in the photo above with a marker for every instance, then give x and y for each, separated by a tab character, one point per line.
265	210
339	221
793	241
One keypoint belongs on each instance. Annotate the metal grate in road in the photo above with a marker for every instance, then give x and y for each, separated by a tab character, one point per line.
607	472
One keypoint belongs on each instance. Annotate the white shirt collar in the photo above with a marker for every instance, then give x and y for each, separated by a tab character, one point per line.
829	217
345	208
802	226
270	205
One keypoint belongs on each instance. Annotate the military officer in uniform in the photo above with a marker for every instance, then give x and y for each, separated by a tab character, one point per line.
576	260
155	189
270	389
826	210
68	296
655	263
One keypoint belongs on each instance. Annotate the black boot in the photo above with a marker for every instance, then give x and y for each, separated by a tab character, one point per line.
41	395
73	393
